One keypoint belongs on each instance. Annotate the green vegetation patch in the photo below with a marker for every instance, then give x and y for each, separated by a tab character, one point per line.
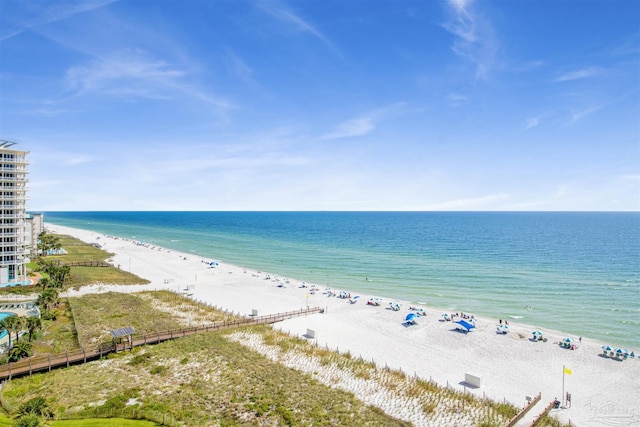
79	251
97	314
103	422
205	380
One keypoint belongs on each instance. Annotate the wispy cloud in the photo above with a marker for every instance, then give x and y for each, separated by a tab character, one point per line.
77	160
354	127
457	99
582	73
533	121
579	115
53	12
475	40
239	68
482	202
131	66
133	74
363	125
287	16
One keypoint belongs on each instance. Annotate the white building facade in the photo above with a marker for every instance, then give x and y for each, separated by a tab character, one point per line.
14	248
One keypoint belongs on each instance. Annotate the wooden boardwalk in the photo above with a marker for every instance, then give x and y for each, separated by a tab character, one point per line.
52	361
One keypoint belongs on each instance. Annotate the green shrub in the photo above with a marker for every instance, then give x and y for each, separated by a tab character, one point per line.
159	369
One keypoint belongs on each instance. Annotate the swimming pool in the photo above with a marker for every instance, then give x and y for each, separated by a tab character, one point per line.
4	314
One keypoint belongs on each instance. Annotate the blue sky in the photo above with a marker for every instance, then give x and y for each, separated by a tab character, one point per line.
324	105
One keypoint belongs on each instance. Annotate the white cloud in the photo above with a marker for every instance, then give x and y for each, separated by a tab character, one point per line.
133	74
475	40
582	73
53	12
532	122
355	127
287	16
456	99
77	160
363	125
579	115
482	202
118	69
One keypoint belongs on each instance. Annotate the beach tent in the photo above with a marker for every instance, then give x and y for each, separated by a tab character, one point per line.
537	335
465	326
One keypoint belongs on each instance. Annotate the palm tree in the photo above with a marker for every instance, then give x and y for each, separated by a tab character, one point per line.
44	282
48	298
20	350
10	324
33	323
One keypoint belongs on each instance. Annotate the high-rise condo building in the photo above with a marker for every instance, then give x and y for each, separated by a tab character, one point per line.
13	214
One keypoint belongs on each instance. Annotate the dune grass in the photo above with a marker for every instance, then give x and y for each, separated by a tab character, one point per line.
147	312
79	251
205	379
103	422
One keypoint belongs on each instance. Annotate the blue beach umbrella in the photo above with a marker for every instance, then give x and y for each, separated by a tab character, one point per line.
411	316
536	334
607	348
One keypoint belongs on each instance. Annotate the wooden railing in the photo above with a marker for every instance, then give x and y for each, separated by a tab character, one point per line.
537	419
84	264
523	411
52	361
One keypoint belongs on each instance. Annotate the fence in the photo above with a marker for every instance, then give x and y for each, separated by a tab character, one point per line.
84	264
134	414
537	419
49	362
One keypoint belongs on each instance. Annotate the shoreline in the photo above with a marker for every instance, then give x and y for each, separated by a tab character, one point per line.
511	366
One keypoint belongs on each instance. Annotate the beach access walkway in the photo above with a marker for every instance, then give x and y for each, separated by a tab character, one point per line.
53	361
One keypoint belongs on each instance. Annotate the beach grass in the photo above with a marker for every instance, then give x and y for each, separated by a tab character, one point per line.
216	378
205	379
103	422
79	251
146	312
439	405
59	335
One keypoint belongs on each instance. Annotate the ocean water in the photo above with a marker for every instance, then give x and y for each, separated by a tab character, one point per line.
575	272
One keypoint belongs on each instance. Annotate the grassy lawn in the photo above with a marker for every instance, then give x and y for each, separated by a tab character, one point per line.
79	251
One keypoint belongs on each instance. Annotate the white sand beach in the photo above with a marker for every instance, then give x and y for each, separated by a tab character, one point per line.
604	391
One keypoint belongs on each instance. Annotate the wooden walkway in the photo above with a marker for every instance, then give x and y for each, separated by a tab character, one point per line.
52	361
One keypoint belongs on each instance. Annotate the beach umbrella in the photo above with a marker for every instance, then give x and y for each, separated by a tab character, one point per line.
410	316
536	334
502	329
567	340
466	325
632	355
445	315
607	348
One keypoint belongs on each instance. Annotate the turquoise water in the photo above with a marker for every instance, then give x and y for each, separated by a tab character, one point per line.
575	272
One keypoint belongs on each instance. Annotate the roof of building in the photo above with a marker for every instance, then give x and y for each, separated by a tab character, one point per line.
122	332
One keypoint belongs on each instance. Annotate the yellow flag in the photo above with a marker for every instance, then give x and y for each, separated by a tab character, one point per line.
567	370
